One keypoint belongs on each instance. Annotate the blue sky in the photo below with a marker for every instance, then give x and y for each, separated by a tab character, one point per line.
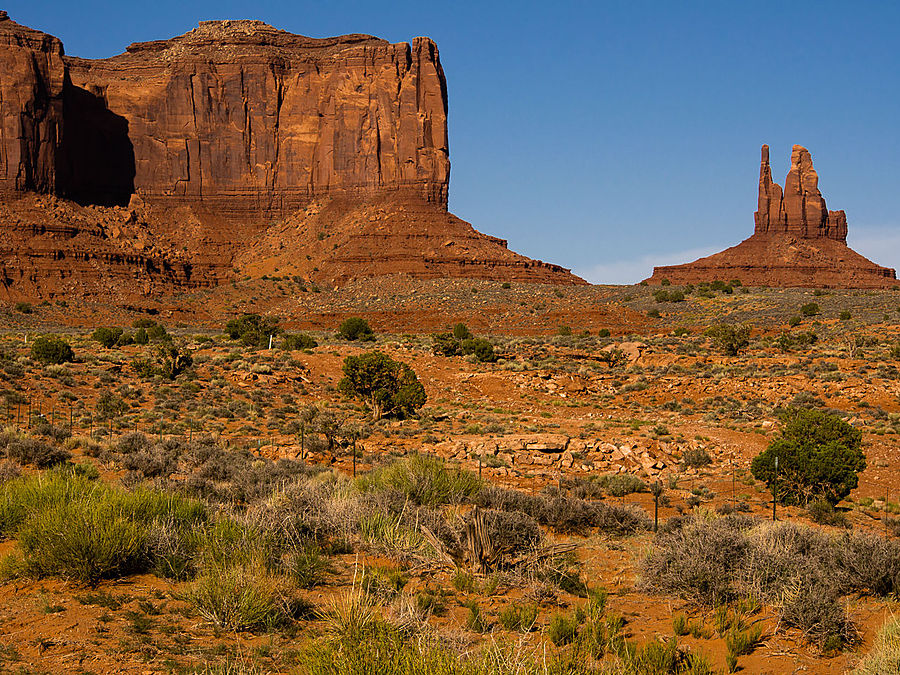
612	136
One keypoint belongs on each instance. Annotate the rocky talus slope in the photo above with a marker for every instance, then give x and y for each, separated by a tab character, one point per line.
797	241
198	151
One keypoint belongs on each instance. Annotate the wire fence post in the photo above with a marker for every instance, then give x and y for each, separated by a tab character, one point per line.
775	490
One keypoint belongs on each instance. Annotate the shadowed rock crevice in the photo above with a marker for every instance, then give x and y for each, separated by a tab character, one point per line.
97	155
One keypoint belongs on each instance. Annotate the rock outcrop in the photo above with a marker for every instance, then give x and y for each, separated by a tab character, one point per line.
797	241
799	209
214	138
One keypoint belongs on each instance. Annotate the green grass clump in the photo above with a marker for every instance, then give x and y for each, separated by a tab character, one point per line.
243	597
885	654
562	629
519	616
72	527
424	480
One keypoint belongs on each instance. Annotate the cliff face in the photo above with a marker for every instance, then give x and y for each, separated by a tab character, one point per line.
32	75
213	138
797	241
246	119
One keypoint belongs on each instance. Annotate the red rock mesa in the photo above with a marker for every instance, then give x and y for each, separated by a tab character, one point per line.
233	149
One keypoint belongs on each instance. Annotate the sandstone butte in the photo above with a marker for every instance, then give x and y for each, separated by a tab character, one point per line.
797	241
235	149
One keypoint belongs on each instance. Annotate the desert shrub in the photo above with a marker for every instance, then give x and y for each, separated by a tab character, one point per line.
356	328
172	360
819	456
253	330
512	532
481	348
107	336
34	451
695	458
24	307
243	597
824	513
844	315
445	344
732	340
603	333
884	656
802	571
810	309
306	565
697	561
84	541
475	619
423	480
462	332
563	514
621	484
72	527
141	337
292	341
794	321
562	629
50	349
388	387
519	616
663	295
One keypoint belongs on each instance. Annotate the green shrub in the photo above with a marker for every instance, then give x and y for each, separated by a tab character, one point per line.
423	480
562	629
388	387
107	336
253	330
603	333
732	340
84	541
298	341
445	344
243	597
695	458
481	348
475	620
819	457
810	309
51	349
519	616
794	321
824	513
307	566
356	328
24	307
462	332
844	315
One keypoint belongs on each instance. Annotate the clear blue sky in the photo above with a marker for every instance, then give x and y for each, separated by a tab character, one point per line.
609	136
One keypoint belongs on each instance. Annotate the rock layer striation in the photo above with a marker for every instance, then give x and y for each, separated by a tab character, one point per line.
214	138
797	241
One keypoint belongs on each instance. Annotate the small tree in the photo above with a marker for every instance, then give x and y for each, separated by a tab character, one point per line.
810	309
51	349
462	332
172	360
730	339
356	328
252	330
388	387
107	336
819	457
